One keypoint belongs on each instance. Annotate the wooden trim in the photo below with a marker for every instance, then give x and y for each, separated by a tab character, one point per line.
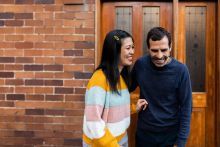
175	27
97	31
218	76
210	130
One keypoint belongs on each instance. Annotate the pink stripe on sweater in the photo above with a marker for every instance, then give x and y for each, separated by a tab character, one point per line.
111	115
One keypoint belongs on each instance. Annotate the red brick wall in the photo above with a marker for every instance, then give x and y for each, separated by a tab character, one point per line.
46	58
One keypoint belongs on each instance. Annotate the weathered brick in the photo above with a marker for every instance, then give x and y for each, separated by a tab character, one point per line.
26	30
24	133
74	83
65	45
54	23
80	90
6	104
73	68
6	1
45	30
24	1
85	15
2	96
44	1
45	90
7	15
24	60
25	90
75	142
53	8
65	75
89	53
34	111
7	59
84	45
34	22
63	90
25	74
53	67
44	60
13	67
35	97
83	60
6	74
33	67
53	82
34	82
34	141
90	1
14	82
88	68
54	112
14	23
73	52
54	97
34	38
32	52
44	75
14	53
60	30
2	23
74	112
52	53
43	45
23	45
73	38
53	37
7	30
7	45
15	97
61	60
81	75
85	30
14	37
73	2
23	15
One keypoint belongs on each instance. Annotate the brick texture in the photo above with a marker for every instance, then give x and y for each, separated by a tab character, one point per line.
46	58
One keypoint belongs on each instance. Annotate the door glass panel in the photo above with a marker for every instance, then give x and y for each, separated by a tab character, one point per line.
123	16
150	19
195	46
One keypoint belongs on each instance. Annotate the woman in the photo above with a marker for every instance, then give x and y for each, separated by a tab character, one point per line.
107	99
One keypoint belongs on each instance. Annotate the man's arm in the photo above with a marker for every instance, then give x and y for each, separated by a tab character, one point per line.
185	100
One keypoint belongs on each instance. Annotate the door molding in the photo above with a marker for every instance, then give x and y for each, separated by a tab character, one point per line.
218	76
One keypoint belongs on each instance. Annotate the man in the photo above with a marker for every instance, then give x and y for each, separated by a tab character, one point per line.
165	102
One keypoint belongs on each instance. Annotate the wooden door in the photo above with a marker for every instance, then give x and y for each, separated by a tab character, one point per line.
196	48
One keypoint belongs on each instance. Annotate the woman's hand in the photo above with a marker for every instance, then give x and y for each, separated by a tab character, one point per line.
141	103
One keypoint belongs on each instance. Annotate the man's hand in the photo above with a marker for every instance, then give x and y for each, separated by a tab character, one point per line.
141	103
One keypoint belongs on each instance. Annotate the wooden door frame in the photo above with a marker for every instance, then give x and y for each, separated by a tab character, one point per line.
218	76
175	45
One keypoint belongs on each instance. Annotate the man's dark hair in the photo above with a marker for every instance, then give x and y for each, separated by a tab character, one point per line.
156	34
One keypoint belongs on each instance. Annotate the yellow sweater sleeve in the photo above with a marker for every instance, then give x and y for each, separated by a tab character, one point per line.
105	141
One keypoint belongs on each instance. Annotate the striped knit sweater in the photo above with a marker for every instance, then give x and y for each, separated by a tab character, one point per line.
107	114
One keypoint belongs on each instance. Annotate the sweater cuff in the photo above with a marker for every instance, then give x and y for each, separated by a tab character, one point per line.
181	142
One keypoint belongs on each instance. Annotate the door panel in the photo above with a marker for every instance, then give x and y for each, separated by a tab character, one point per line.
196	48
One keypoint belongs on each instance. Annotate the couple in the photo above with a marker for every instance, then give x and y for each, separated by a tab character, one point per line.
165	103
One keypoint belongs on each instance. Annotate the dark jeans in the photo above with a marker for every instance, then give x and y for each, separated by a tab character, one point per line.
156	139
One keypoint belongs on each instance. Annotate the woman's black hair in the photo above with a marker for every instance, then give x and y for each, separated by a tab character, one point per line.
111	57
